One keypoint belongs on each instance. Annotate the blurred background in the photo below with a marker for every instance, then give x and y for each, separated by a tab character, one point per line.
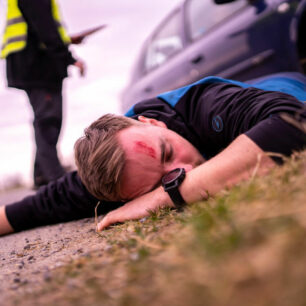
108	54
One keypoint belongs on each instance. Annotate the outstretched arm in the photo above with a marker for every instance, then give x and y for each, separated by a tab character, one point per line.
63	200
239	161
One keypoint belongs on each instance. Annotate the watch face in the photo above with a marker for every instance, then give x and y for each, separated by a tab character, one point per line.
172	175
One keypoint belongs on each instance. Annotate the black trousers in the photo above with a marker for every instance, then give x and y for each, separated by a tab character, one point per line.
48	113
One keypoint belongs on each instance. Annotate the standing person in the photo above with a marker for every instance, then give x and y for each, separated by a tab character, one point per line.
35	46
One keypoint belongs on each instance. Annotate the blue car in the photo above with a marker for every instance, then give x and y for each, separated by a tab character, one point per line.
237	39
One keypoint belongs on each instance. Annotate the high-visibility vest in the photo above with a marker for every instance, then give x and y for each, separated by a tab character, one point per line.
15	33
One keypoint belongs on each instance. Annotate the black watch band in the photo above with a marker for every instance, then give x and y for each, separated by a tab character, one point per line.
170	182
176	197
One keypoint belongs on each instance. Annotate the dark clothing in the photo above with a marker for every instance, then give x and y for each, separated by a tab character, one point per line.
236	110
210	116
39	69
63	200
39	66
47	108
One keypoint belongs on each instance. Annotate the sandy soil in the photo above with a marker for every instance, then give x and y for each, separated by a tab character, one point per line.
28	258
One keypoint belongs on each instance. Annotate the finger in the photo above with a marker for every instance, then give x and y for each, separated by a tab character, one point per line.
103	224
82	70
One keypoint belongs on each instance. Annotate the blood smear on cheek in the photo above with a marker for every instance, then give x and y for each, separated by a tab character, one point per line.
142	147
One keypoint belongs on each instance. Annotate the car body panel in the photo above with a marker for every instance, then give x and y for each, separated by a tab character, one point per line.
254	39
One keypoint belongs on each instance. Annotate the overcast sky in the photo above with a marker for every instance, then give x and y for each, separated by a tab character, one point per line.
109	55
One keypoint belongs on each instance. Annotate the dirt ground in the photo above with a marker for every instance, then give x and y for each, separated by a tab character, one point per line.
28	258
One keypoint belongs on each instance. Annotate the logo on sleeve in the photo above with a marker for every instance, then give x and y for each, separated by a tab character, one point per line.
217	124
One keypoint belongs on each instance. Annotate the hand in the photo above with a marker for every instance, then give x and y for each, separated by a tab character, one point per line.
137	208
81	65
109	219
77	39
130	211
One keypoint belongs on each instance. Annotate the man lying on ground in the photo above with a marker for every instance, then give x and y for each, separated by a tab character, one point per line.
216	130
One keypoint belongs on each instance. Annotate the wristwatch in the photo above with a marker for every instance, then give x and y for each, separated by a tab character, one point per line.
170	182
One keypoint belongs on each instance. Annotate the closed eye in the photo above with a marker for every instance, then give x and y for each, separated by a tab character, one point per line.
168	153
162	151
166	150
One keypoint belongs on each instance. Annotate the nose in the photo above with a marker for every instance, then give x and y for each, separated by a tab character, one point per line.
187	167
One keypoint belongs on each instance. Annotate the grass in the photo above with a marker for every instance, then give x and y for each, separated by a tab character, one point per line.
246	246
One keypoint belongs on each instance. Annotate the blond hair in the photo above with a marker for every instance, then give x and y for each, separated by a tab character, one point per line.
99	157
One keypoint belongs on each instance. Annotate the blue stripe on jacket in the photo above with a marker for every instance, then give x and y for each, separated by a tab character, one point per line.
290	83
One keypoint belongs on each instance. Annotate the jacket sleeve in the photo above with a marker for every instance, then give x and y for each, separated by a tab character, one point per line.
63	200
38	16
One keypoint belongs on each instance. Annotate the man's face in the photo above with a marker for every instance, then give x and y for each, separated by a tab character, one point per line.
151	151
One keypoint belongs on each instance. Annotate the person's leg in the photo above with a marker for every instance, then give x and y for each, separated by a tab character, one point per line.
47	108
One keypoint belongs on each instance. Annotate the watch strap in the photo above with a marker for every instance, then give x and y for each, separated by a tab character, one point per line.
176	197
172	184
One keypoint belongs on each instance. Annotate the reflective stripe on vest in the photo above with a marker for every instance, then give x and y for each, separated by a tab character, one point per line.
57	17
15	33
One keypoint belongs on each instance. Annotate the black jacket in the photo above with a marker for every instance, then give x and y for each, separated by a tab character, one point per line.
34	66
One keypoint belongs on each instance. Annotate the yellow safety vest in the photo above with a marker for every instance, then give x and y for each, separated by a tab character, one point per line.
15	33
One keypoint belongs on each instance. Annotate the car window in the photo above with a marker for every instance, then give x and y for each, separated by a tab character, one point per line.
165	43
202	15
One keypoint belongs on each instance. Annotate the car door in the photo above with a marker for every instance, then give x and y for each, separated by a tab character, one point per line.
230	40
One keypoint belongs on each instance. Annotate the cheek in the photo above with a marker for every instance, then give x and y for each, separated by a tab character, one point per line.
185	154
189	155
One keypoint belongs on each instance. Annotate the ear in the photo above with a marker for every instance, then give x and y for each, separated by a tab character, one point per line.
152	121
